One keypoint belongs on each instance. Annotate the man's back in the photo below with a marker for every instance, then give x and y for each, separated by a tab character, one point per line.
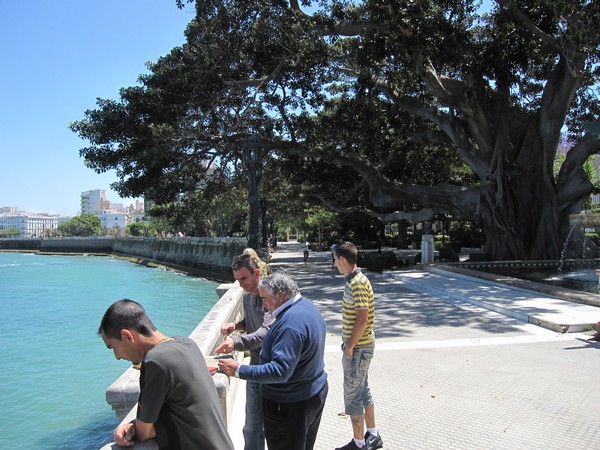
297	336
178	395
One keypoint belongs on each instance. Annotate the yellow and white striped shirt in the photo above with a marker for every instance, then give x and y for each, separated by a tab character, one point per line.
358	294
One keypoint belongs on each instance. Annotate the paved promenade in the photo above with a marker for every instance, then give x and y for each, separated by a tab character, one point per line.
457	365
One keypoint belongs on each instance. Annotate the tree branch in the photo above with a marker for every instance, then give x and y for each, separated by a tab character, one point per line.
571	195
417	216
385	194
527	23
452	127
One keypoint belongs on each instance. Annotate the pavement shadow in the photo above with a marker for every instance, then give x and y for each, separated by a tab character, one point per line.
400	311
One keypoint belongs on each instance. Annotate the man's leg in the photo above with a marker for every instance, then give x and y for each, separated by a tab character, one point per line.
254	436
357	393
316	406
274	414
293	426
370	416
358	427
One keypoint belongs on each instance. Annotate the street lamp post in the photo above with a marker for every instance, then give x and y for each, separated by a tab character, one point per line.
252	154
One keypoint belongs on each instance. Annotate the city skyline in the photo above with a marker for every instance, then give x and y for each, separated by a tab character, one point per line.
125	202
58	58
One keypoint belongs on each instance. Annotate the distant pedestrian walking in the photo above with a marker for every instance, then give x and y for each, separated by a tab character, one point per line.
305	250
333	246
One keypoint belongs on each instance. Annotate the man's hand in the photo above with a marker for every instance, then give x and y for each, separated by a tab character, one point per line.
227	328
226	346
124	434
228	366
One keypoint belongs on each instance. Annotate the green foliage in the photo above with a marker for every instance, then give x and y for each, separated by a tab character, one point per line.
594	237
465	233
398	113
81	226
141	229
7	232
205	212
377	261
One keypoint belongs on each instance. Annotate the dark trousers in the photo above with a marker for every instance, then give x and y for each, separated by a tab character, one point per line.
293	426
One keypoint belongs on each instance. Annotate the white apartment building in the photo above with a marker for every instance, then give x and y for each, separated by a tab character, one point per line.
94	202
114	217
113	222
31	225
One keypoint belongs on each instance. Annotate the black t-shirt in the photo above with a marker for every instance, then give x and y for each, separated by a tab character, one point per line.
178	395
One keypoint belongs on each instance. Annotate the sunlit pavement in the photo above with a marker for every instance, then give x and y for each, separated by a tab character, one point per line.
448	373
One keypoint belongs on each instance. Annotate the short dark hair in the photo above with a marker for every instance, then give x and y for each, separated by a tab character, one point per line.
242	261
125	314
348	250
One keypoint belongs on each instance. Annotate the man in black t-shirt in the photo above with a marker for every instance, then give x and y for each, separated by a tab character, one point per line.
178	404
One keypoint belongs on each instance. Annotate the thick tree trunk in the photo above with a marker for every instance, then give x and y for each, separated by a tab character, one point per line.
519	207
402	234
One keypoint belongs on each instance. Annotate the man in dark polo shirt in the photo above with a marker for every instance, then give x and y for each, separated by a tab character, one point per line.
178	404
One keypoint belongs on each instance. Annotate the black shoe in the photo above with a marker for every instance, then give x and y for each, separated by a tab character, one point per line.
373	441
351	446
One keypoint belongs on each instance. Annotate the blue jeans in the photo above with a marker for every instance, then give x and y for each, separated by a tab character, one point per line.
254	435
357	393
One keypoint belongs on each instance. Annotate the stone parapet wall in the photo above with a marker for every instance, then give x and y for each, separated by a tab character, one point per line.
207	257
77	245
210	257
20	245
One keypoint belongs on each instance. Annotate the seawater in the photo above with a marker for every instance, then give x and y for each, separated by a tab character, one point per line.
54	368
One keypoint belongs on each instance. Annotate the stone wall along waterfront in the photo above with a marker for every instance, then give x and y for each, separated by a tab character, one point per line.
208	257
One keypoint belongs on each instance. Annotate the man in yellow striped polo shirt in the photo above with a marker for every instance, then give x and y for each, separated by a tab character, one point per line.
358	344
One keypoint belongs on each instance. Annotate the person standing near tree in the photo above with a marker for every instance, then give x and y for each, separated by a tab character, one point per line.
332	249
178	404
358	344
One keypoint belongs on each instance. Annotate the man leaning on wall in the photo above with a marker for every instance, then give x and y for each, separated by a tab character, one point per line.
178	405
253	328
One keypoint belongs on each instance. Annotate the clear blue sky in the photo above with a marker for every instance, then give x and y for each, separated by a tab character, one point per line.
56	58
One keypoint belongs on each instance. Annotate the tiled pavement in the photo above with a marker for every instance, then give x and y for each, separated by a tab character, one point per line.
449	373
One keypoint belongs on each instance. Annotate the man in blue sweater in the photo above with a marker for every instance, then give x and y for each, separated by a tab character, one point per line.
291	370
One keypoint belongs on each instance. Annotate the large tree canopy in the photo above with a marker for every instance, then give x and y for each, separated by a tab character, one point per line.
402	109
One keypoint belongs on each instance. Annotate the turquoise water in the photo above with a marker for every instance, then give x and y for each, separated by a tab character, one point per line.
54	368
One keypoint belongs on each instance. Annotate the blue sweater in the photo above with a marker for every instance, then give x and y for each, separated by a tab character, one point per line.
292	357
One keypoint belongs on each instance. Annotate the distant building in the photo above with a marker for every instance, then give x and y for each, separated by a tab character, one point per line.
148	204
31	225
9	210
94	202
113	222
138	217
114	217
